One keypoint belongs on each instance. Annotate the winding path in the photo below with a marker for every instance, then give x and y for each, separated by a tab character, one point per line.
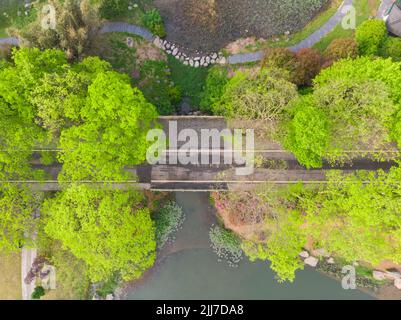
237	58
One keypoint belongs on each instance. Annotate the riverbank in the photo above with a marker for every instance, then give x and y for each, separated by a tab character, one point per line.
189	269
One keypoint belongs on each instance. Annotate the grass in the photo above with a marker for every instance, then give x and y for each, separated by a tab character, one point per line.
190	80
364	10
10	279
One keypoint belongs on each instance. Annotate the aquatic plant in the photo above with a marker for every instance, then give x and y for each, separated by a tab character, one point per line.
226	245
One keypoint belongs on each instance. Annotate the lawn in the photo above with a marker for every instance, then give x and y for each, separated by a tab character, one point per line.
364	10
190	80
10	279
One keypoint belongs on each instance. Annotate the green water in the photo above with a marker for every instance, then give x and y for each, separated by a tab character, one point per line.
192	271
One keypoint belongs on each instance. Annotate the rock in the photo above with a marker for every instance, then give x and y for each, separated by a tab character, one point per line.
378	275
212	61
197	59
311	261
214	56
168	51
186	63
397	284
222	60
158	43
110	297
202	61
167	45
321	253
304	254
331	261
287	33
207	59
175	51
196	65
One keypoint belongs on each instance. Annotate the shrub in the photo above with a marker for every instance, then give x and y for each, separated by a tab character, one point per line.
38	293
341	49
216	79
154	22
392	48
226	245
113	8
282	58
168	220
308	133
370	36
309	63
255	96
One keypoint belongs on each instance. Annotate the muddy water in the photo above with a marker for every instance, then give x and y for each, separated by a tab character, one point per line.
192	271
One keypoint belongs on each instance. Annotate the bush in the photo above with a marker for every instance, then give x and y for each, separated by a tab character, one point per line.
341	49
309	63
38	293
168	220
392	48
255	96
370	36
282	58
226	245
113	8
216	79
154	22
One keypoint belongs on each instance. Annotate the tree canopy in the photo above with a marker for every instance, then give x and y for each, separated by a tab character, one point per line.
108	229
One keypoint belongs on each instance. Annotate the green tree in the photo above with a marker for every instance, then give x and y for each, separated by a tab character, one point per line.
370	36
115	120
255	96
308	133
17	205
108	229
216	79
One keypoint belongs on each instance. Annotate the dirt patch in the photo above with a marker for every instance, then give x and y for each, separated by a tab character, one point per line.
209	25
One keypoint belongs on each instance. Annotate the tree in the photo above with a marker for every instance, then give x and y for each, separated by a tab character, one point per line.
110	9
77	22
255	96
108	229
357	216
115	121
308	133
17	205
370	36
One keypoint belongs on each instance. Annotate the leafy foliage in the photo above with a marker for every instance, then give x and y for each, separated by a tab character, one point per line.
216	79
114	118
154	22
341	49
76	23
17	205
38	292
255	96
308	133
370	36
107	229
391	48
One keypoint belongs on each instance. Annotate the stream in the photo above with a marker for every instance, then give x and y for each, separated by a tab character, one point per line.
191	269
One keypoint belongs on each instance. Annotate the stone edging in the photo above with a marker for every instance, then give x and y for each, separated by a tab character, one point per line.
213	58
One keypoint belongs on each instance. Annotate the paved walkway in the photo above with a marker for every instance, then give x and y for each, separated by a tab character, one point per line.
237	58
27	258
384	7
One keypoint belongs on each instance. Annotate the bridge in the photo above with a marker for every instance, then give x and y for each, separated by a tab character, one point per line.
279	166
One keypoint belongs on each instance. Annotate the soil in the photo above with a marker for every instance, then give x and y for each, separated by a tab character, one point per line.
209	25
